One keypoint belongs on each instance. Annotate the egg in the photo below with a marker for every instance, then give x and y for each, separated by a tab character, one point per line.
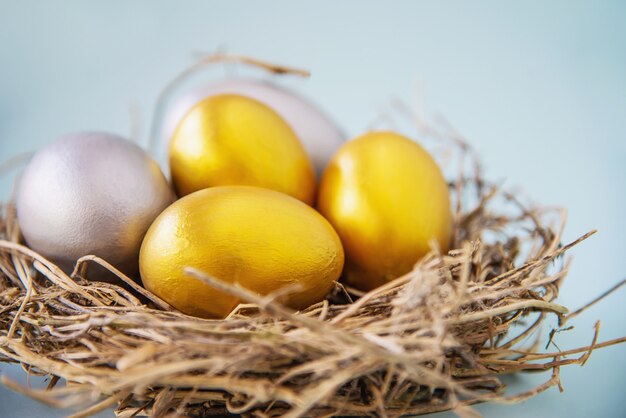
388	201
259	238
234	140
90	193
319	134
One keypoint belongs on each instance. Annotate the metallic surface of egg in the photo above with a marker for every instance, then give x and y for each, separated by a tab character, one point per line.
235	140
261	239
90	193
318	133
388	201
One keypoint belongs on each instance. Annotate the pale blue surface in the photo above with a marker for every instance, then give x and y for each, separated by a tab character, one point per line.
539	88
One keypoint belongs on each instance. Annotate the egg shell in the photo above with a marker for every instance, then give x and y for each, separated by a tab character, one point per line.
90	193
318	133
261	239
388	201
235	140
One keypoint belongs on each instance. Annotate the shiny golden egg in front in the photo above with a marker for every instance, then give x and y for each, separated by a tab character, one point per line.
259	238
388	201
235	140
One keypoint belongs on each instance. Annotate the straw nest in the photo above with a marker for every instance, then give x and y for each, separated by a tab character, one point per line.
438	338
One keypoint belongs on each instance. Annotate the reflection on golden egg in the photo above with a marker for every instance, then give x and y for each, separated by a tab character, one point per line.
262	239
235	140
388	201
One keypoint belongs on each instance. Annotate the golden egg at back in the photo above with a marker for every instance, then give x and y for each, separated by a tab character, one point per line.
388	200
235	140
261	239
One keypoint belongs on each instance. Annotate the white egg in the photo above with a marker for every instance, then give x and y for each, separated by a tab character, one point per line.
90	193
319	135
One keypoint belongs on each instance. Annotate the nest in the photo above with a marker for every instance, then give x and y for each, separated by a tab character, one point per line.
438	338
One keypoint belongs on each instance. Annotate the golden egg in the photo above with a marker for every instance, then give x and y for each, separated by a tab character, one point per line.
262	239
388	201
235	140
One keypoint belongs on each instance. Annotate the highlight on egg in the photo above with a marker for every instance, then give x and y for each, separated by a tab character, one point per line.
320	135
235	140
389	202
90	193
260	239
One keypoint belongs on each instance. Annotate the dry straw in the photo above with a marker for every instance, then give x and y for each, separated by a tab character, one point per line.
438	338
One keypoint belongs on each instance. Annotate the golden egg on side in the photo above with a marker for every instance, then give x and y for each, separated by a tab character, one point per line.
388	200
235	140
262	239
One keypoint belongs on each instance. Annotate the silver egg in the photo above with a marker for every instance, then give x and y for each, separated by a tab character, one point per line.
90	193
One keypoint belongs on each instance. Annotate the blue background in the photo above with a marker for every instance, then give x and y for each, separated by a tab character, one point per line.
538	87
